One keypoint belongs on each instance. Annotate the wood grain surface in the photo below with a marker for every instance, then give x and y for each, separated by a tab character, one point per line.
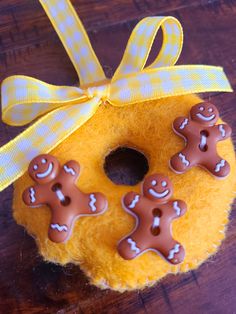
29	45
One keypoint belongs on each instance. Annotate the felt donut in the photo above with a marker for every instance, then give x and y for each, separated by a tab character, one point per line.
147	128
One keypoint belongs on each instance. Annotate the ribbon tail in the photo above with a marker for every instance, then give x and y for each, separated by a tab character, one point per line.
42	137
74	39
163	82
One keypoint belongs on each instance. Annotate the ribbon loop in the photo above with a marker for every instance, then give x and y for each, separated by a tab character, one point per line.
141	41
163	82
25	98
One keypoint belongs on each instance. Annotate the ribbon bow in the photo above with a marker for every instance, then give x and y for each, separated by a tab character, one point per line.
63	109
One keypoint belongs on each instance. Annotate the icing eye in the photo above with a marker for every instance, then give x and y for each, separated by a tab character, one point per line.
154	182
201	108
44	161
164	183
210	110
35	167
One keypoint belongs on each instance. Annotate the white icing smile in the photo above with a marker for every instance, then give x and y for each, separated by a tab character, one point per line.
205	118
158	195
46	173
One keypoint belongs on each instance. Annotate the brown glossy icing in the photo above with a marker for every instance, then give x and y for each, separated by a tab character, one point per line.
201	136
154	212
56	187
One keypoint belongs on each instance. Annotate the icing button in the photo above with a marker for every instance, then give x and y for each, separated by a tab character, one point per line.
201	135
56	187
154	212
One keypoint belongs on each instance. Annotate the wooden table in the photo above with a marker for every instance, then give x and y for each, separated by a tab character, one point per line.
29	45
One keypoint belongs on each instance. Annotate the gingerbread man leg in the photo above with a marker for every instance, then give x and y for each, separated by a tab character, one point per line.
183	160
132	246
219	167
173	252
60	228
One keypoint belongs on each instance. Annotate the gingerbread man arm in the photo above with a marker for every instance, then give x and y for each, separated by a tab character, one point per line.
175	209
96	203
70	171
181	125
222	131
33	197
134	202
60	227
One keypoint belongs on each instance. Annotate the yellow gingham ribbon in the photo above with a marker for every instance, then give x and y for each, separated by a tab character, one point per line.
63	109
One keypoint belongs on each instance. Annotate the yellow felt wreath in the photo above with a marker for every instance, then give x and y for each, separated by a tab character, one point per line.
147	128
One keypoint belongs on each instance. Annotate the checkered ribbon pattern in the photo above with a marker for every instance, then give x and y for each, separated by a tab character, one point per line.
60	110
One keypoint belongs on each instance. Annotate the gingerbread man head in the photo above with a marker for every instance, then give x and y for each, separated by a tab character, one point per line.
157	188
204	113
44	168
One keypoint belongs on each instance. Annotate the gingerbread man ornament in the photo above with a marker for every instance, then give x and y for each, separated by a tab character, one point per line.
154	213
201	136
56	187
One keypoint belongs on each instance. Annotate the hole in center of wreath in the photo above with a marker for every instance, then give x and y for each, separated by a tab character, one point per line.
126	166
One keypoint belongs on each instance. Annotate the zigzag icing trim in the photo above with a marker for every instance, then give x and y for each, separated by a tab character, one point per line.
177	208
92	202
183	124
222	130
173	251
134	202
133	246
58	227
220	165
69	170
183	159
32	195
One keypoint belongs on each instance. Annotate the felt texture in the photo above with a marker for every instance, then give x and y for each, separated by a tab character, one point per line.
146	127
